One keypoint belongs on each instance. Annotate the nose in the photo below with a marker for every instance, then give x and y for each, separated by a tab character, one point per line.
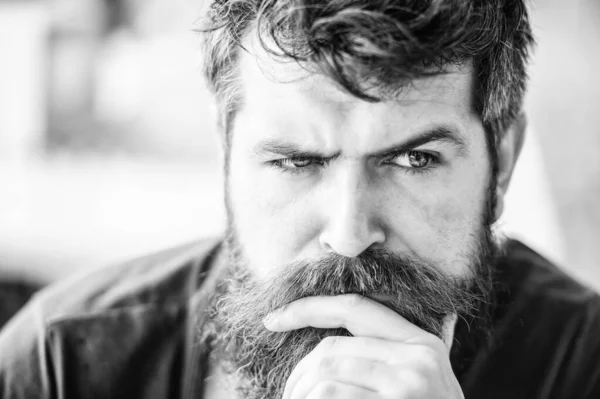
351	222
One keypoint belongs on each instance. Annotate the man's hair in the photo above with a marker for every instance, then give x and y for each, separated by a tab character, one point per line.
373	48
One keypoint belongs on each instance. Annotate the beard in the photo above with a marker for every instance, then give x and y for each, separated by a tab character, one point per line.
260	361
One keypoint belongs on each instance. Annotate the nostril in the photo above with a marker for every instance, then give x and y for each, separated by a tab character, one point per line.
350	249
351	243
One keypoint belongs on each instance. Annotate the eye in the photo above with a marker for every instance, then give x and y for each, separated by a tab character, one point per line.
414	159
295	163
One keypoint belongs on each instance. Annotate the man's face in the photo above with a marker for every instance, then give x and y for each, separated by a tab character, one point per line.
328	194
314	170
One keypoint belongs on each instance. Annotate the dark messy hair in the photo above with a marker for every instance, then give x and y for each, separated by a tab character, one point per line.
372	48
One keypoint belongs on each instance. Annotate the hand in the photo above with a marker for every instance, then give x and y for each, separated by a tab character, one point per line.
387	357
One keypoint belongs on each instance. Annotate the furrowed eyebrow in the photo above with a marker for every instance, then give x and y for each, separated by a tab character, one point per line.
288	150
444	134
437	134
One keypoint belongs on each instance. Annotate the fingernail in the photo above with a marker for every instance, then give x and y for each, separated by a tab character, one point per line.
269	320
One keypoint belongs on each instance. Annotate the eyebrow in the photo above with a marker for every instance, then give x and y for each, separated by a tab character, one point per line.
446	134
439	134
288	150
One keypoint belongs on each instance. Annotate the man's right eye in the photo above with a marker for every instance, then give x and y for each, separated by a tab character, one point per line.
296	164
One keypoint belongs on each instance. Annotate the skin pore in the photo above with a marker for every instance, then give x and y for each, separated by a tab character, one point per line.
323	184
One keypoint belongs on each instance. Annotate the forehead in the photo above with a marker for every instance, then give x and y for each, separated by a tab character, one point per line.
281	97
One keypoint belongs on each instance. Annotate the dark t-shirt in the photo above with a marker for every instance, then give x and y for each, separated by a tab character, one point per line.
131	331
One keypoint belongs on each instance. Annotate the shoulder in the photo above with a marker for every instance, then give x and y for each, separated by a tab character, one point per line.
546	332
84	334
556	314
165	278
528	281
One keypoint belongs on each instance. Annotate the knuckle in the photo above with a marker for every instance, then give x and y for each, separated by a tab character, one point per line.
328	343
326	390
428	358
354	300
371	368
437	344
327	365
415	385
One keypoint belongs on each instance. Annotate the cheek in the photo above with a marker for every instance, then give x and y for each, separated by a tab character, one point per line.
272	222
441	223
456	219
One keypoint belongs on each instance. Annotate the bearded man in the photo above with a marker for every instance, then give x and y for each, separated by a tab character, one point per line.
368	147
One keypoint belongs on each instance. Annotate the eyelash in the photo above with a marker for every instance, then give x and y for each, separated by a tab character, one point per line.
434	161
319	162
315	163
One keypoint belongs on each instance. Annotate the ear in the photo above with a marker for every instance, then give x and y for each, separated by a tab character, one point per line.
509	149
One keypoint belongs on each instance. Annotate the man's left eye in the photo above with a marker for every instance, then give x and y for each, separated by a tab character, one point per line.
414	159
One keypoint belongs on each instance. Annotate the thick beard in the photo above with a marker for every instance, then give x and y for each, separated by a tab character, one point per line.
261	361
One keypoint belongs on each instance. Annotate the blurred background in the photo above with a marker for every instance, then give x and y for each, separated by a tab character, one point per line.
107	149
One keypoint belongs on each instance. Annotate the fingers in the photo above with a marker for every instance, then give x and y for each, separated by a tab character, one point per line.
366	362
361	316
373	349
387	355
367	374
387	368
